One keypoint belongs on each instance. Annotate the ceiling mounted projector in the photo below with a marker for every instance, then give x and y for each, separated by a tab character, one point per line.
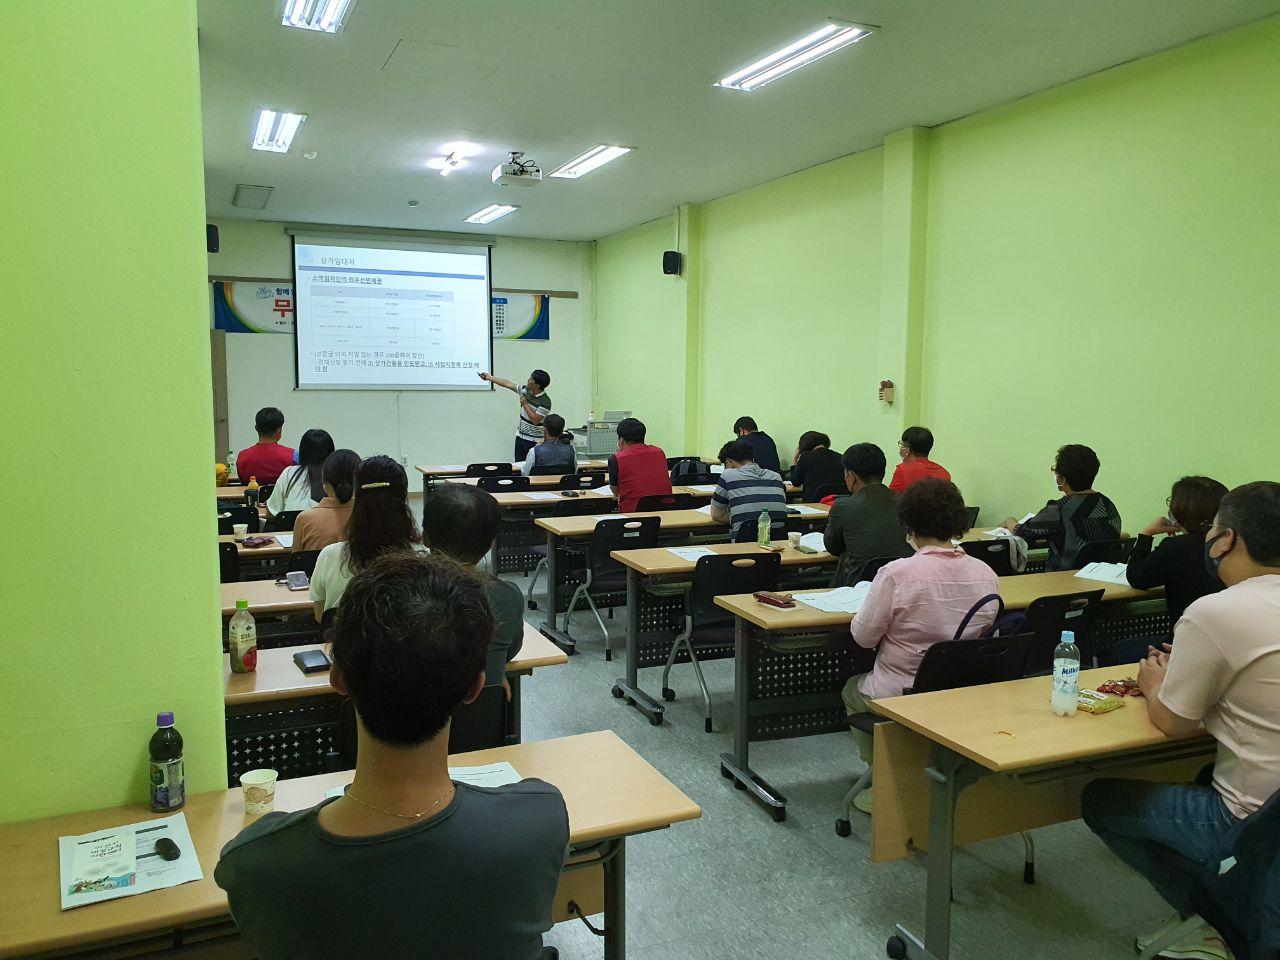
517	172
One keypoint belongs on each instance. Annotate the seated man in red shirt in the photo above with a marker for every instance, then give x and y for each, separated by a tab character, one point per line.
638	469
914	449
267	458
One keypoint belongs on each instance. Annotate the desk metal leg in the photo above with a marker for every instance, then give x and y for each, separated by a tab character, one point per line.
549	628
736	766
615	903
513	709
629	686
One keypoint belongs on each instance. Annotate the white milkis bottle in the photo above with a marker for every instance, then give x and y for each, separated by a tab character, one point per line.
1066	676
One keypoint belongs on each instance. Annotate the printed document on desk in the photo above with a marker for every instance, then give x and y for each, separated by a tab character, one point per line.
839	600
1105	572
541	495
702	488
806	511
121	861
691	553
284	539
706	509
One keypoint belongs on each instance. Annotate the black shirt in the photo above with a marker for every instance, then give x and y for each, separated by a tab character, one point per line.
1177	565
816	469
765	450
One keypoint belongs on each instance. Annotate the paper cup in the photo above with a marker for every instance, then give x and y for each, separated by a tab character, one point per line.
793	538
239	531
259	791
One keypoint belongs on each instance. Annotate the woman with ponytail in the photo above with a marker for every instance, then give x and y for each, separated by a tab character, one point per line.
380	522
326	522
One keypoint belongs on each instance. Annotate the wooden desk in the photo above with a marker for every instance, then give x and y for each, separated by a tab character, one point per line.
441	471
955	740
762	631
231	493
266	597
610	791
519	500
270	550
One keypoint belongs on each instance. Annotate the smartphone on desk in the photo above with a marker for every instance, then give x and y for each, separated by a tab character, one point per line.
311	661
297	580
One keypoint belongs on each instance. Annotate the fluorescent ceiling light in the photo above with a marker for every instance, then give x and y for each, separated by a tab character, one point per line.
274	131
494	211
326	16
824	40
597	156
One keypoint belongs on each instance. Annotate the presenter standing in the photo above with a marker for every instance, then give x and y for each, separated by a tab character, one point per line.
535	404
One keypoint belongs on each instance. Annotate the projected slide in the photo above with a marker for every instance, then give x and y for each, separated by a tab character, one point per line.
391	315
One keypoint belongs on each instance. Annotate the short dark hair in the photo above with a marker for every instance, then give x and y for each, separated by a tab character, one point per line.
553	423
541	378
1078	465
811	439
268	420
933	508
744	423
1253	512
739	451
410	638
866	461
461	521
631	430
380	518
1194	502
919	440
340	473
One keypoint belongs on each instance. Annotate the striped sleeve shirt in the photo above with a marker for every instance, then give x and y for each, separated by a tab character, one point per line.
747	490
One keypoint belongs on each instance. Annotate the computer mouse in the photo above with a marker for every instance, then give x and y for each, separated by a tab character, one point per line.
167	849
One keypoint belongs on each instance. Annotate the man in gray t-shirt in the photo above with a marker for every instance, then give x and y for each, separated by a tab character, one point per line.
406	864
535	404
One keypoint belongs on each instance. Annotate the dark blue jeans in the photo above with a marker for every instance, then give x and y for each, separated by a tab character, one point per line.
523	447
1164	831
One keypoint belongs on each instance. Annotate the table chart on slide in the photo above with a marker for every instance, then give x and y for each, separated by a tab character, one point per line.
382	317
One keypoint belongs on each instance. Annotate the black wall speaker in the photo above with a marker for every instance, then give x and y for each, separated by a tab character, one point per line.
211	237
672	262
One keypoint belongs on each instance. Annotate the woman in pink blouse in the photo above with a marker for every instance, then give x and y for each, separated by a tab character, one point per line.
917	601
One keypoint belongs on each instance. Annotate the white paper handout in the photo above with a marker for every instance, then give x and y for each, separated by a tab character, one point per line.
541	495
485	775
717	467
605	491
1000	533
691	553
702	488
839	600
1105	572
284	539
122	861
452	468
805	511
706	509
812	543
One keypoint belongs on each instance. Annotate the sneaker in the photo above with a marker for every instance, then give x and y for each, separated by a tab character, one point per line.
1201	944
862	801
1141	943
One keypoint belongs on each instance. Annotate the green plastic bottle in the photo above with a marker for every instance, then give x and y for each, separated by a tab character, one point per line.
764	527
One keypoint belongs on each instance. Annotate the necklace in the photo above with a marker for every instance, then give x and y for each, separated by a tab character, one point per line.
403	816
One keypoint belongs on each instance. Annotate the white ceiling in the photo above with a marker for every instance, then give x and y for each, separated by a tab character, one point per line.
554	77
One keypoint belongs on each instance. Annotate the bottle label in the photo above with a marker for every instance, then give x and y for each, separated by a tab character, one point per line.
168	784
242	643
1066	675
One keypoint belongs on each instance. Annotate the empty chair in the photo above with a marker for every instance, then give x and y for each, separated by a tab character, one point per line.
994	553
489	470
234	515
580	481
304	560
228	563
1049	616
604	574
748	530
971	517
563	508
284	520
706	624
664	501
506	484
1104	551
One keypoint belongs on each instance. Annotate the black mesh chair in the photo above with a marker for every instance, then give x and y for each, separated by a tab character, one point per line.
830	490
506	484
283	521
563	508
489	470
553	470
971	516
1049	616
682	468
304	560
582	481
706	624
994	553
1104	551
657	502
605	575
228	563
748	530
232	515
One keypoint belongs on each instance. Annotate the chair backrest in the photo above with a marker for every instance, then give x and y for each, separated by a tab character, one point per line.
481	724
830	490
994	553
489	470
284	520
580	507
748	530
583	481
729	573
507	484
971	516
228	563
265	491
625	533
872	567
664	501
234	515
967	663
1104	551
304	560
682	467
1049	616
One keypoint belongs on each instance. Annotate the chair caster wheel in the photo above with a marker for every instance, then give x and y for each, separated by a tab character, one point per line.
842	828
655	721
779	814
724	772
668	693
706	724
737	784
616	691
895	949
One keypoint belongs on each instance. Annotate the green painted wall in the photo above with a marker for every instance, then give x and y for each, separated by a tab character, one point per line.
109	601
1104	267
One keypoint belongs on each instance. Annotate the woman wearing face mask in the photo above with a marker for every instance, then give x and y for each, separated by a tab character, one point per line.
1081	516
918	601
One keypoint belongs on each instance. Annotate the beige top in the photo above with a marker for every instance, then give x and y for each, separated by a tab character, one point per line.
1225	670
323	524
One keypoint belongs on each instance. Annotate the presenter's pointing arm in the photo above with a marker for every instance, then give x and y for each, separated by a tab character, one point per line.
498	381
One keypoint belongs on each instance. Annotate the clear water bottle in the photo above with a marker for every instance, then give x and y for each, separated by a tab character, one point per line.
168	780
764	529
231	465
1066	676
242	639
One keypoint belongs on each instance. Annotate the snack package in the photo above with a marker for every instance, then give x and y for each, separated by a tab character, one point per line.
1091	701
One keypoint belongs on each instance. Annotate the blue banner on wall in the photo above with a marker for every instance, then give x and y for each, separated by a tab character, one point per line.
252	306
522	316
